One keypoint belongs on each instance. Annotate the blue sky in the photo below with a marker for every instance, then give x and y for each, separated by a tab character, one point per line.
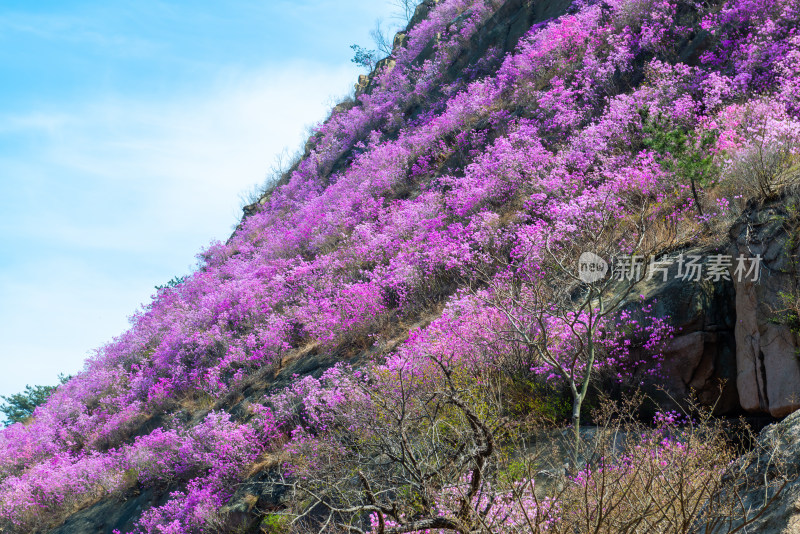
128	133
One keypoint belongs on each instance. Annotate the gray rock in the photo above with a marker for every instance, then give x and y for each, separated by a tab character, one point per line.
111	514
772	492
768	377
700	360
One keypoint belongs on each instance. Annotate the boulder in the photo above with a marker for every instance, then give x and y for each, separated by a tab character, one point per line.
700	360
399	41
768	376
363	84
769	482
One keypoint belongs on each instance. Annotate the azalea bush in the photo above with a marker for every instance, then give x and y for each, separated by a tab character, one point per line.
438	220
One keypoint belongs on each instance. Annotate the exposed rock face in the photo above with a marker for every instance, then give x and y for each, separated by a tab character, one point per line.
110	515
363	83
777	463
736	331
400	39
701	357
421	12
768	368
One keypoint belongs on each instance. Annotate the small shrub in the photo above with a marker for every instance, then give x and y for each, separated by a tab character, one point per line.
689	159
363	57
763	169
761	148
175	281
275	524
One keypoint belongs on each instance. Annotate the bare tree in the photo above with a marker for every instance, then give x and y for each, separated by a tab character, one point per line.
383	35
426	457
405	9
564	316
382	38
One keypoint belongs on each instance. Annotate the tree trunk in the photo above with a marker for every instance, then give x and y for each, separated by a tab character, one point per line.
577	401
696	198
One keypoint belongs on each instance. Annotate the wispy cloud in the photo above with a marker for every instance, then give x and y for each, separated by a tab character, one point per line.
194	152
128	131
77	29
126	192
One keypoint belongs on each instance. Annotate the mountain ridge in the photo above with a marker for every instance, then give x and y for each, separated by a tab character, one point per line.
424	252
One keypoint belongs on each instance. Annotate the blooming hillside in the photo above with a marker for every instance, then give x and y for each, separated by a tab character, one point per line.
431	233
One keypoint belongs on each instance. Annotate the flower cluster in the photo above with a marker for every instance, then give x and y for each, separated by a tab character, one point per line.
428	183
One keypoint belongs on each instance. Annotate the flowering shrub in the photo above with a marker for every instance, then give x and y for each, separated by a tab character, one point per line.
428	203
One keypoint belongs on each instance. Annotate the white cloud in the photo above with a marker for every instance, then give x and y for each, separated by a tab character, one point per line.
185	160
127	193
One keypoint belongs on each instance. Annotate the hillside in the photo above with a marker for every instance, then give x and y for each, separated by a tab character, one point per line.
530	209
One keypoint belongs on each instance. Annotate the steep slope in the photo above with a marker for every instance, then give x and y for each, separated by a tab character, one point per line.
430	231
